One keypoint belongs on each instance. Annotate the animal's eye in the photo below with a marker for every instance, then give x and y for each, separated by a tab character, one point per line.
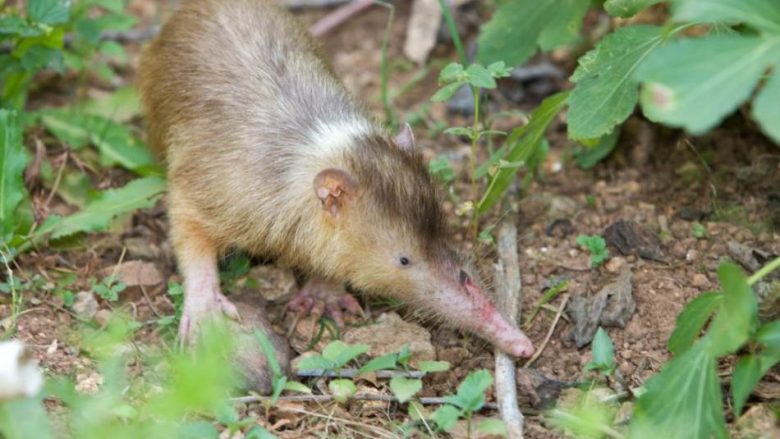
404	261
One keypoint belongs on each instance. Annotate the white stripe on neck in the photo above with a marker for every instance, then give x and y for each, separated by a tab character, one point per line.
328	138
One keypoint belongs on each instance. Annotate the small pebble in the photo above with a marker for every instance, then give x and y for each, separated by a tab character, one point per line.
700	281
691	255
614	265
102	317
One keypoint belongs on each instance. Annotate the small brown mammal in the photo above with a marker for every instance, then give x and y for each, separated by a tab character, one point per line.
267	152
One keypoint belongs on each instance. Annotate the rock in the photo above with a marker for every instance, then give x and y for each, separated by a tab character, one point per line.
629	238
389	334
88	383
540	391
102	317
751	258
615	265
85	305
700	281
274	282
141	248
561	207
252	362
758	422
135	273
613	305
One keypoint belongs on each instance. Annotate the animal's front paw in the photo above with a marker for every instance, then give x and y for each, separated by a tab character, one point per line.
200	307
320	297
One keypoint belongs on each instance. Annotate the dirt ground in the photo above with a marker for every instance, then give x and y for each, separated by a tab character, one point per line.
661	179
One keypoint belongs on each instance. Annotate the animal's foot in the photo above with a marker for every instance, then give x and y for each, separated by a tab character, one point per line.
321	297
200	307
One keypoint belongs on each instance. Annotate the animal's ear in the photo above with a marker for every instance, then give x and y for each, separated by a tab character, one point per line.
405	138
335	189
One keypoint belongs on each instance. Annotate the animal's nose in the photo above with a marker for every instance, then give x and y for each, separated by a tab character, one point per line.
464	277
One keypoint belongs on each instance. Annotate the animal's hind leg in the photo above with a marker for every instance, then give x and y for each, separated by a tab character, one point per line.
196	253
320	296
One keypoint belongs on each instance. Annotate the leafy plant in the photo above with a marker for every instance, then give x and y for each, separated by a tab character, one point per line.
603	352
596	246
334	356
469	399
109	288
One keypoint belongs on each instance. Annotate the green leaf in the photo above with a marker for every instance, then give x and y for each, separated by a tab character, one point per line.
451	73
747	373
342	389
596	246
564	26
769	334
522	142
683	401
586	417
471	392
590	156
198	430
761	14
446	92
737	317
445	417
519	26
603	352
404	388
113	50
606	90
116	143
695	82
765	108
16	26
493	427
691	321
340	353
297	386
13	160
387	361
499	69
433	366
24	419
48	11
627	8
258	432
138	194
479	76
121	105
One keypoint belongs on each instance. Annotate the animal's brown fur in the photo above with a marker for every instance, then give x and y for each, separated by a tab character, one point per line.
233	109
267	152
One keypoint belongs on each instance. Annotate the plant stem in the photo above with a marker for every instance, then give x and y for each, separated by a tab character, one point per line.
445	10
384	70
763	271
474	139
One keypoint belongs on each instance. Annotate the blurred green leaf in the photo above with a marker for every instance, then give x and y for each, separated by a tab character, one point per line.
446	92
479	76
522	143
747	373
13	161
691	321
433	366
606	91
737	316
765	108
387	361
492	427
596	246
761	14
451	72
518	27
683	401
694	83
404	388
335	355
769	334
627	8
138	194
471	392
589	156
587	417
603	352
445	417
48	11
116	143
24	419
342	389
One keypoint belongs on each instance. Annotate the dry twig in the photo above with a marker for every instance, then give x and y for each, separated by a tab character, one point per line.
549	332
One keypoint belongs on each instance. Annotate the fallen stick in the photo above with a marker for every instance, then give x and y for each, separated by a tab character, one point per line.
337	17
509	286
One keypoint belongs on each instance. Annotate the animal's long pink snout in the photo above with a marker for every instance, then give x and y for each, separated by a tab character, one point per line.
493	326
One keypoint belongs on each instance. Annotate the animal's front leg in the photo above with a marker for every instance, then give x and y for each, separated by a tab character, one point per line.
197	258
